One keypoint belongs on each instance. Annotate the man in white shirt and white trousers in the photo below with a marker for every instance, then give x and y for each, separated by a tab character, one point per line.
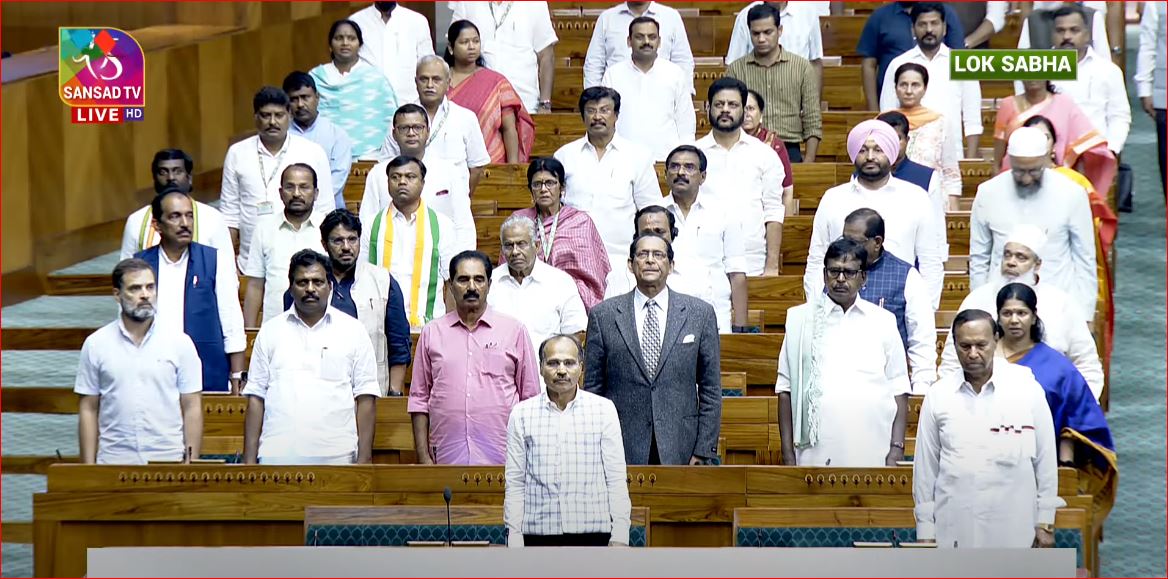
1064	327
395	37
1030	193
985	470
565	464
518	42
608	47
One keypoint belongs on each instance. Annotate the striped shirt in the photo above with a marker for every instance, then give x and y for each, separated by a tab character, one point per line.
565	470
791	93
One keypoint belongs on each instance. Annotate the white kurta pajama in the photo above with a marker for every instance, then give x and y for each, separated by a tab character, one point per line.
861	371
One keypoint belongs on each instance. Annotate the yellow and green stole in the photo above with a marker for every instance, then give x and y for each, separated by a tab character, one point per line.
148	234
426	260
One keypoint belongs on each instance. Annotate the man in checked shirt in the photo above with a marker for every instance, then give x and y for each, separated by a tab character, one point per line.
565	461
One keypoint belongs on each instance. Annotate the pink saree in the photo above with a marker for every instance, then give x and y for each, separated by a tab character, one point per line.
490	96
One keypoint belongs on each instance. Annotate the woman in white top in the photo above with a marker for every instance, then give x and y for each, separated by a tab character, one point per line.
929	143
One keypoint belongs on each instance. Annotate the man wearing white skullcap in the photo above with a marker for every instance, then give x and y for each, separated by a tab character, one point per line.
1056	205
912	230
1065	329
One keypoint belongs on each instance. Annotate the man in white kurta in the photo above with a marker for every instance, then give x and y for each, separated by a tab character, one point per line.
1029	193
843	380
608	47
985	470
173	168
1064	328
518	42
395	37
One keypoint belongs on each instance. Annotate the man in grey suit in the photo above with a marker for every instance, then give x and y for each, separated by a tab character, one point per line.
645	351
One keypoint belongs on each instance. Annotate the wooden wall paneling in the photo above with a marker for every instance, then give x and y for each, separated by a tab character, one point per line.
276	42
45	144
99	177
310	47
217	75
15	211
275	13
153	132
246	72
183	107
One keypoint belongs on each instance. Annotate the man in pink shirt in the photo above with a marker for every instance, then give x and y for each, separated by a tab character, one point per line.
471	367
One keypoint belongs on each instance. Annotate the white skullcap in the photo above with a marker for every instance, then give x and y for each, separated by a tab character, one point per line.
1029	236
1028	142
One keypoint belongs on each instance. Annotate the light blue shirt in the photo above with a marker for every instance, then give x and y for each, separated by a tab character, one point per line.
337	145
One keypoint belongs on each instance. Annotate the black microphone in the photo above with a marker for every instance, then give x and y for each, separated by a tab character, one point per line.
446	496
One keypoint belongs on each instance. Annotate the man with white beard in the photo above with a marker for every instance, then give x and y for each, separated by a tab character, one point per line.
1065	329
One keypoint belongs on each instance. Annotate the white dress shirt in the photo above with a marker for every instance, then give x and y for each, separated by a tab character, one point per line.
395	47
609	45
912	229
139	417
546	302
749	176
708	248
1062	209
512	34
657	108
170	305
1101	94
454	135
1150	60
959	101
861	373
251	184
209	229
640	311
565	470
801	34
276	241
611	190
445	189
405	239
308	378
1064	330
985	470
1098	25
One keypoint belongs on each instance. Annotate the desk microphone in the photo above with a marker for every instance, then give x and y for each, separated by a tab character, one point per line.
446	496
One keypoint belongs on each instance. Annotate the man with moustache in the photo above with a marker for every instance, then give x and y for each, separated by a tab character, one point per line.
251	187
906	169
655	93
1029	193
746	174
139	387
306	122
609	48
197	292
843	384
276	240
646	351
1064	328
471	367
913	230
312	392
174	168
412	241
888	33
368	293
565	461
395	37
608	177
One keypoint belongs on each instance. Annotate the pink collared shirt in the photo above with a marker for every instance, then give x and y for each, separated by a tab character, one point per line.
468	381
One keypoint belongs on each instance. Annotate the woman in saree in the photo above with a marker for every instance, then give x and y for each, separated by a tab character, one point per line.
1078	145
1084	438
353	93
568	239
1106	226
507	129
929	140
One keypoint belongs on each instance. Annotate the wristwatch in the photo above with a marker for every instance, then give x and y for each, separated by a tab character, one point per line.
241	376
899	445
546	103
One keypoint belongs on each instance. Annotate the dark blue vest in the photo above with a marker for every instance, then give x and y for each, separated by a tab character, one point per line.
914	173
885	288
201	313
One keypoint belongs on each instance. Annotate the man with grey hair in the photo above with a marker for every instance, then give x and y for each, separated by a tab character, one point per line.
454	130
537	294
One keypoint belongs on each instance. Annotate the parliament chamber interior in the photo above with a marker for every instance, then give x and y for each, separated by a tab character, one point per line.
538	78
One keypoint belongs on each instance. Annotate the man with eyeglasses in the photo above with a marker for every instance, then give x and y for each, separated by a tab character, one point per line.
275	240
1028	193
843	383
646	350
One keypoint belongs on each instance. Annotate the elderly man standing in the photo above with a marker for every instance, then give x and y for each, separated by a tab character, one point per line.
913	230
544	298
565	461
1064	328
1028	193
989	422
843	385
471	367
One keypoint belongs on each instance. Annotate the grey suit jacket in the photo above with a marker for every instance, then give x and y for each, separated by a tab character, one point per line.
685	419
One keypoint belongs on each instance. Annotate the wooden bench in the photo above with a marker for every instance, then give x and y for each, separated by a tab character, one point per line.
709	35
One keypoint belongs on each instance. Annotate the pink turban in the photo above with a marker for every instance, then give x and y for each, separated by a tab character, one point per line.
879	131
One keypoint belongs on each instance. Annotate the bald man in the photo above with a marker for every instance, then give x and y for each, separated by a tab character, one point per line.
913	231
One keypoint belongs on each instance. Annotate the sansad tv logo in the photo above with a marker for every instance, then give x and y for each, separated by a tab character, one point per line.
102	75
